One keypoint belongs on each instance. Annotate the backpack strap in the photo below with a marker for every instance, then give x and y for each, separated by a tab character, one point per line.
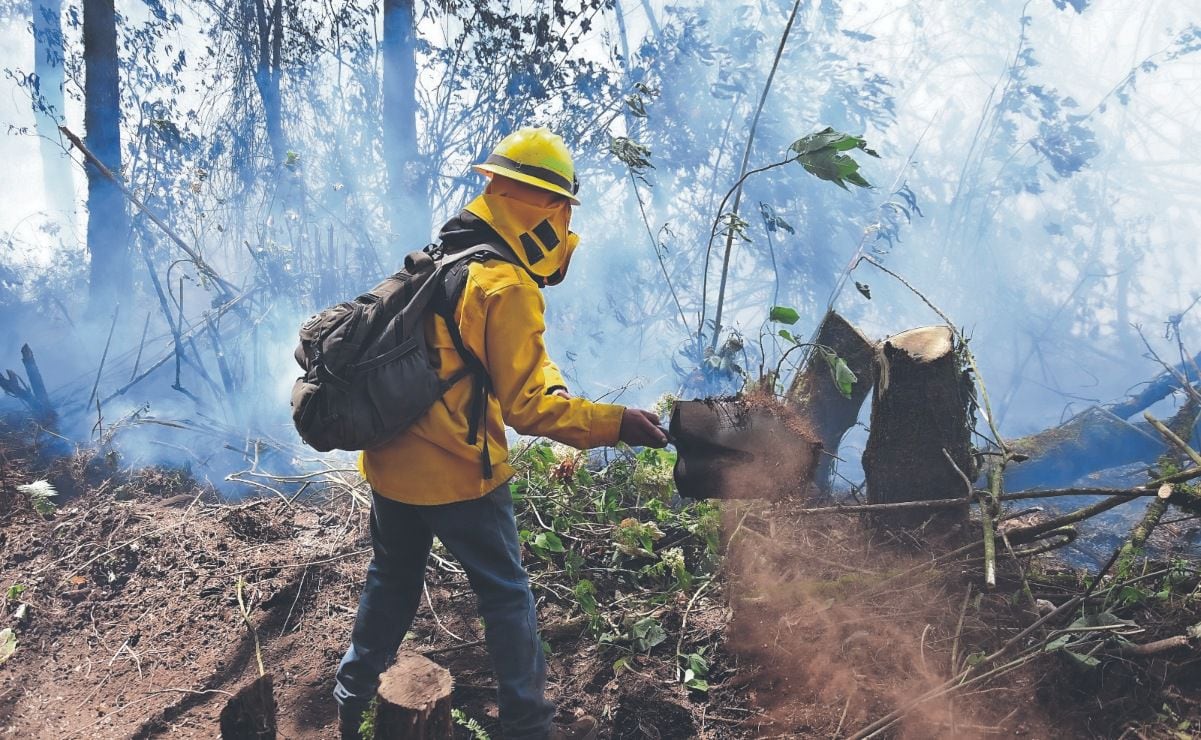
444	306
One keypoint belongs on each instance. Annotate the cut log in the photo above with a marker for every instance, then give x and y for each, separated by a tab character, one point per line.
414	701
1092	440
250	714
923	404
816	397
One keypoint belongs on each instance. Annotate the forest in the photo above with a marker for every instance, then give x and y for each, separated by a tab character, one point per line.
911	286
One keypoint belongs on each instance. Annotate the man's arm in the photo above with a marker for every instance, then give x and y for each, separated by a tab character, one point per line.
517	363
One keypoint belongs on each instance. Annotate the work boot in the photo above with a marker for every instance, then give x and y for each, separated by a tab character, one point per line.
583	728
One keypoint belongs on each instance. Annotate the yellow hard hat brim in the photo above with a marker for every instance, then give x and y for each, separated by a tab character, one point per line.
526	178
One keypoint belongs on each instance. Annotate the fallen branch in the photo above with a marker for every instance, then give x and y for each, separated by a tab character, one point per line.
227	289
1155	648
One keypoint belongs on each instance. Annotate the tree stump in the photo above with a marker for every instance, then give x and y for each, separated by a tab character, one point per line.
414	701
923	404
250	714
816	397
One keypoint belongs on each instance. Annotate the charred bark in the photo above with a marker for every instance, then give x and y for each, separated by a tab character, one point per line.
414	701
108	221
923	404
817	398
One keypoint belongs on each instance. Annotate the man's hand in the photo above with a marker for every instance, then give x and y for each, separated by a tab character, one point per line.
561	392
641	429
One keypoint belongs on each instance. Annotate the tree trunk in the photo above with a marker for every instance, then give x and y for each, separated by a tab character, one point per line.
923	404
1092	440
250	714
267	21
414	701
49	107
108	221
408	193
816	397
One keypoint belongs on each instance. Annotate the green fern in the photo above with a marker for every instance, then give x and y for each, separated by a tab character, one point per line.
475	728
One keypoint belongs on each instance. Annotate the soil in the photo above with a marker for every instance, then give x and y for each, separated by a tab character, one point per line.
128	626
131	626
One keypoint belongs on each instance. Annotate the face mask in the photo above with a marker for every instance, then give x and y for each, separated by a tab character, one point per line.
535	228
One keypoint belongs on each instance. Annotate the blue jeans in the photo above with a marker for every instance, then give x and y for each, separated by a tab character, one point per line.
482	535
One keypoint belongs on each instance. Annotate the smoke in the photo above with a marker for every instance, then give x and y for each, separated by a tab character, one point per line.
1032	183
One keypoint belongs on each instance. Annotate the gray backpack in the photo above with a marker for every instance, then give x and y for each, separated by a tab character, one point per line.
367	370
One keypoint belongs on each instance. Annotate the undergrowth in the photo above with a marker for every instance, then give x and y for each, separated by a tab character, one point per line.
617	548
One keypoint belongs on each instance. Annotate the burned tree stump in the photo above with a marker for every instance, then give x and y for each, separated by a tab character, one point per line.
414	701
250	714
816	397
923	404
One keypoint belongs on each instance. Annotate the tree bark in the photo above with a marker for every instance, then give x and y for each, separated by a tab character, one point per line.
414	701
1091	440
408	193
108	221
49	106
923	404
267	21
816	397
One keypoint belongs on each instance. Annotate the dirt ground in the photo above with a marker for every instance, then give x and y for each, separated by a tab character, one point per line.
124	603
131	627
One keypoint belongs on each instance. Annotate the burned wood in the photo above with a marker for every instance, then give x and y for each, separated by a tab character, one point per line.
32	394
817	398
141	346
227	378
1183	420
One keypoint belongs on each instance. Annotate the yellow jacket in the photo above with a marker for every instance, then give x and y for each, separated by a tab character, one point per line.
500	317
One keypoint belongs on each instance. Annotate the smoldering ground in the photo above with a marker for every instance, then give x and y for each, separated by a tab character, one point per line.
841	627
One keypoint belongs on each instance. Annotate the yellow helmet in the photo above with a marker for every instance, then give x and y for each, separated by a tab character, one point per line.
536	157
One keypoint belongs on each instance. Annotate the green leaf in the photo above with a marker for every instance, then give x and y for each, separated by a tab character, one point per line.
820	155
647	633
787	335
8	644
1082	660
842	374
14	591
784	315
585	595
697	684
548	541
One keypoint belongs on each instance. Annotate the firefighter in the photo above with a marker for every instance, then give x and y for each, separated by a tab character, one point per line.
447	475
